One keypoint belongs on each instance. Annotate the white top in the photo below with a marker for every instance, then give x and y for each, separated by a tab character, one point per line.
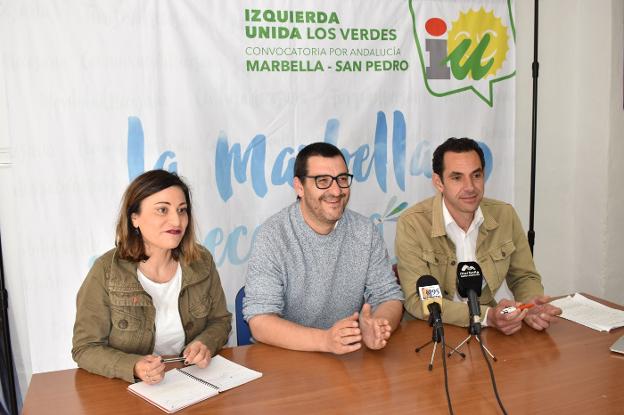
169	331
465	242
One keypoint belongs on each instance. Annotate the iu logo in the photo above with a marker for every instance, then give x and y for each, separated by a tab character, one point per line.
476	46
462	50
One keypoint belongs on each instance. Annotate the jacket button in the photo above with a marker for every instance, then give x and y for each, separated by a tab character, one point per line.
188	326
452	262
123	324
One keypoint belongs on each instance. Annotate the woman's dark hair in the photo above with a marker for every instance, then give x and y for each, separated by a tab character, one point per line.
128	240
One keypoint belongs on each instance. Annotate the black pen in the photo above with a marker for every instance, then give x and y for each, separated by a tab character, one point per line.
173	359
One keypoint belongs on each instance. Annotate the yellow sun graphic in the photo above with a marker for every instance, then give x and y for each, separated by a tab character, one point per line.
476	27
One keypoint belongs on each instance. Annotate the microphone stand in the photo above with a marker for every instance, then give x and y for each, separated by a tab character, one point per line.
437	336
475	324
473	331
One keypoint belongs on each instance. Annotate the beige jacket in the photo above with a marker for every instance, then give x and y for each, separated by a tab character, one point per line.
423	248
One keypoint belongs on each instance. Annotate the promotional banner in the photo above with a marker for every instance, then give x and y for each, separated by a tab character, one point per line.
226	93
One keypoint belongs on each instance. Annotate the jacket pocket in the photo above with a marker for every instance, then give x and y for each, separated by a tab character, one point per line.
503	252
196	316
201	308
442	267
125	330
501	258
430	258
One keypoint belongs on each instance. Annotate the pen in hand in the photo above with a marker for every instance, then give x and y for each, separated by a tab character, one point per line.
511	309
173	359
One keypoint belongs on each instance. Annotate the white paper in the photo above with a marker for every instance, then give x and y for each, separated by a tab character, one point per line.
179	390
174	392
223	373
589	313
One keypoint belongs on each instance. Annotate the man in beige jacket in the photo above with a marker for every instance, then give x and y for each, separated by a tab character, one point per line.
458	225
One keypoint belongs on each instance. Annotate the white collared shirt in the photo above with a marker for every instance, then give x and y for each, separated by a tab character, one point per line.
465	242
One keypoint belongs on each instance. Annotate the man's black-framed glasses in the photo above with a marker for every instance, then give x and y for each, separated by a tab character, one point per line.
324	181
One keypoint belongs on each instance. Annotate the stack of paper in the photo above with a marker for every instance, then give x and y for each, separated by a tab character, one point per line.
589	313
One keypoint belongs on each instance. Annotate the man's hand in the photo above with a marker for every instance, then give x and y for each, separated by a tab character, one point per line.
506	323
375	331
196	353
344	336
542	314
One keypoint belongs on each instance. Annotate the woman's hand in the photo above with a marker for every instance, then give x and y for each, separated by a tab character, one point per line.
150	369
197	353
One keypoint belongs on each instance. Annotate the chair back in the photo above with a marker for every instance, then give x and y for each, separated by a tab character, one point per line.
243	333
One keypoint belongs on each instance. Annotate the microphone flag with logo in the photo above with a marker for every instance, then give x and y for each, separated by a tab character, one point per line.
469	283
430	295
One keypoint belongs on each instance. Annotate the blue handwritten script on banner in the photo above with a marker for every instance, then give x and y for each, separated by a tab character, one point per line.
231	162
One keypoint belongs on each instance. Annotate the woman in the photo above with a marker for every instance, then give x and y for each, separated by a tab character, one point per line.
156	293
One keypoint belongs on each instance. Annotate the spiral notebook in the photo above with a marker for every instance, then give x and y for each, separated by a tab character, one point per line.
189	385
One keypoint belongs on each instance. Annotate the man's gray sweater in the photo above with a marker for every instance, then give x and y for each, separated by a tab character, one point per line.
315	280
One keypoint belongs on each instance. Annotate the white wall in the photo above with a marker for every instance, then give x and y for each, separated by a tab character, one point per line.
578	221
614	241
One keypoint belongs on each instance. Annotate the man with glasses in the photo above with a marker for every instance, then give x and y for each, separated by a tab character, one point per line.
319	277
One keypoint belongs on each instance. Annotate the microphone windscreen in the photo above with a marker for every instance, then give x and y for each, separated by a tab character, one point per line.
469	278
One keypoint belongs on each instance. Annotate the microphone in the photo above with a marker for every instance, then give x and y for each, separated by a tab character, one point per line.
430	299
469	282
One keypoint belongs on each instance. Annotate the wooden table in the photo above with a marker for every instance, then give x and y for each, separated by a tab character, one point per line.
566	370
